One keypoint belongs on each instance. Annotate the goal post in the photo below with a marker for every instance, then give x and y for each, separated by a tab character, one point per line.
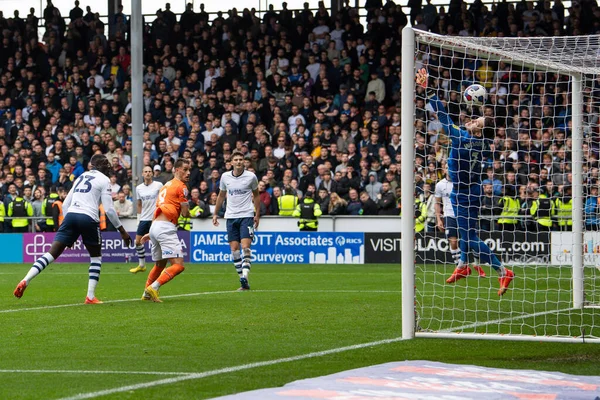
407	180
549	299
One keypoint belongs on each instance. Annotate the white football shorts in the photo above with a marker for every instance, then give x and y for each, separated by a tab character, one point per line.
164	242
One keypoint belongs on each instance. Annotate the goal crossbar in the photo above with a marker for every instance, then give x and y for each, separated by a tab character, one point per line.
582	55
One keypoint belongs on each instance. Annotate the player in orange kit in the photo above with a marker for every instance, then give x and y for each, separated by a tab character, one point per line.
171	203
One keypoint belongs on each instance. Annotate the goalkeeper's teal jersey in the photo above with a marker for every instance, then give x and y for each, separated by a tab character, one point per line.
465	162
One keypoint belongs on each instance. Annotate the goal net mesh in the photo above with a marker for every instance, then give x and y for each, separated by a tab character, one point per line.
529	84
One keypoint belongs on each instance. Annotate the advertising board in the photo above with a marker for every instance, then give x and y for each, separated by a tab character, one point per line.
283	248
113	248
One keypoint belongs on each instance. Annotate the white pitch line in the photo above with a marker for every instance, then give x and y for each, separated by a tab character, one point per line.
227	370
110	302
501	320
66	371
51	272
324	291
199	294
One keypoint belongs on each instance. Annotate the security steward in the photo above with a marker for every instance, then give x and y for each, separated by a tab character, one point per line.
197	210
420	215
57	208
542	210
309	212
288	202
2	215
20	209
47	209
510	211
564	209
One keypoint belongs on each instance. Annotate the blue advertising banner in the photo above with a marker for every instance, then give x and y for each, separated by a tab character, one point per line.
11	244
284	248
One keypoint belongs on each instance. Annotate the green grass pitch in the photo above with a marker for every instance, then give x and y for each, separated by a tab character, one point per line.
54	347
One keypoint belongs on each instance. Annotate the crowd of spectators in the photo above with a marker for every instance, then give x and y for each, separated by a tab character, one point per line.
312	99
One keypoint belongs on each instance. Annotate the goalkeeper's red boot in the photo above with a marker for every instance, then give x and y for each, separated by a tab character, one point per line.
505	282
458	274
479	270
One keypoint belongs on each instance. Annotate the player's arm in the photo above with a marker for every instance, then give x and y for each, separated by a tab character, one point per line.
438	213
109	209
185	210
256	199
182	194
438	107
219	204
138	210
438	207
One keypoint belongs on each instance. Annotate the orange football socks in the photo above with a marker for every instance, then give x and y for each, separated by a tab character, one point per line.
154	274
170	273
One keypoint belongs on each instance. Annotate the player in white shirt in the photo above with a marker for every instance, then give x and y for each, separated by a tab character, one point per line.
146	194
242	213
80	209
446	219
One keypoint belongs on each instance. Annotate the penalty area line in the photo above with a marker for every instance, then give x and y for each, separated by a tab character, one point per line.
228	370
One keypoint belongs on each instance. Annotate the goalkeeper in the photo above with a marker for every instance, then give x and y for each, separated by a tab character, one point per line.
464	167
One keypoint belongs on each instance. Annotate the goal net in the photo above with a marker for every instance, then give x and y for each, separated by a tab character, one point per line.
531	197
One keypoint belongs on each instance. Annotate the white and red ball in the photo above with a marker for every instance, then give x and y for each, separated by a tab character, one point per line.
475	95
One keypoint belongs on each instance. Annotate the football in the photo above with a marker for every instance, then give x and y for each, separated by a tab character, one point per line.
475	95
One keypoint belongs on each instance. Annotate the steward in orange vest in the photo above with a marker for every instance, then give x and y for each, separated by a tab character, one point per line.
57	208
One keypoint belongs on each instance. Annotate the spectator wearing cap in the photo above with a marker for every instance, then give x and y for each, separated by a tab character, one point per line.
156	171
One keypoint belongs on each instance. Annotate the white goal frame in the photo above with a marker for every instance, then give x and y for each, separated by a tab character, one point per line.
409	47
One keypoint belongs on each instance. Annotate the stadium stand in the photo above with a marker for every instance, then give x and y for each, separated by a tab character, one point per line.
311	99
